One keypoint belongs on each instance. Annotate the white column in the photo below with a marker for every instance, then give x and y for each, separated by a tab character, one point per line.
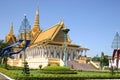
71	54
36	51
75	54
55	54
40	51
49	55
30	52
85	53
81	51
33	52
45	51
61	52
51	51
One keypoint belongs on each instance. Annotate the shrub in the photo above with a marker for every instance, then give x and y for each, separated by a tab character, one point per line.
40	66
49	64
59	72
11	67
56	68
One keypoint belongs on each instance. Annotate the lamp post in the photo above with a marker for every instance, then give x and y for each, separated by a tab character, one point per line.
25	27
65	31
116	47
25	43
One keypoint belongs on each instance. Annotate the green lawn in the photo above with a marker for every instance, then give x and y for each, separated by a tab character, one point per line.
38	75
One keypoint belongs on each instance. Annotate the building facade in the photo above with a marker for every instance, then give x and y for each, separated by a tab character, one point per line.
46	47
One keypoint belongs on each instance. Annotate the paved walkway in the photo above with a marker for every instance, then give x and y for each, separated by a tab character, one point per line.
4	77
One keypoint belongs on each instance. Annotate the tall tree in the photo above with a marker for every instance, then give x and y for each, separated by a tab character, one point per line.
96	58
102	60
2	45
106	60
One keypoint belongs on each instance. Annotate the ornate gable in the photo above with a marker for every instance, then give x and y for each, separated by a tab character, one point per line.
11	40
54	34
47	34
59	37
10	37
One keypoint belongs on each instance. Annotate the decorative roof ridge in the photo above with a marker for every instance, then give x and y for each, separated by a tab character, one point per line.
54	29
36	37
59	23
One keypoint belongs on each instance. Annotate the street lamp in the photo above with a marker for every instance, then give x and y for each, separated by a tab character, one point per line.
25	43
116	47
65	31
24	28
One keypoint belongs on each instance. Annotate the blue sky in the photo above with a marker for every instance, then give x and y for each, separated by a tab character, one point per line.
92	23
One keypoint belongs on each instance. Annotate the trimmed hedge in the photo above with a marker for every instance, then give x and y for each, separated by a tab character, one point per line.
11	67
62	77
59	72
56	68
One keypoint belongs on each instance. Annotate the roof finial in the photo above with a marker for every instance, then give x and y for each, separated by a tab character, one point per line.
37	11
36	22
62	21
11	29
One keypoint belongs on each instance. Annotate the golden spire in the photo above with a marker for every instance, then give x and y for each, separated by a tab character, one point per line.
11	29
36	22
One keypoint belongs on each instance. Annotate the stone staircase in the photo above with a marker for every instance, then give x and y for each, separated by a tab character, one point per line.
53	61
80	66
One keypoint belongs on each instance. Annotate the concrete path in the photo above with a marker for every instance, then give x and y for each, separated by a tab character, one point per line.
4	77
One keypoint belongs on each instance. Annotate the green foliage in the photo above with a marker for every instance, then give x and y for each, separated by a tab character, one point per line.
56	68
11	67
96	58
36	75
59	72
8	72
48	64
104	60
26	70
3	58
40	66
2	45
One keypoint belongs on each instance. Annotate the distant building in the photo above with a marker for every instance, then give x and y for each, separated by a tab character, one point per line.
46	47
114	63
